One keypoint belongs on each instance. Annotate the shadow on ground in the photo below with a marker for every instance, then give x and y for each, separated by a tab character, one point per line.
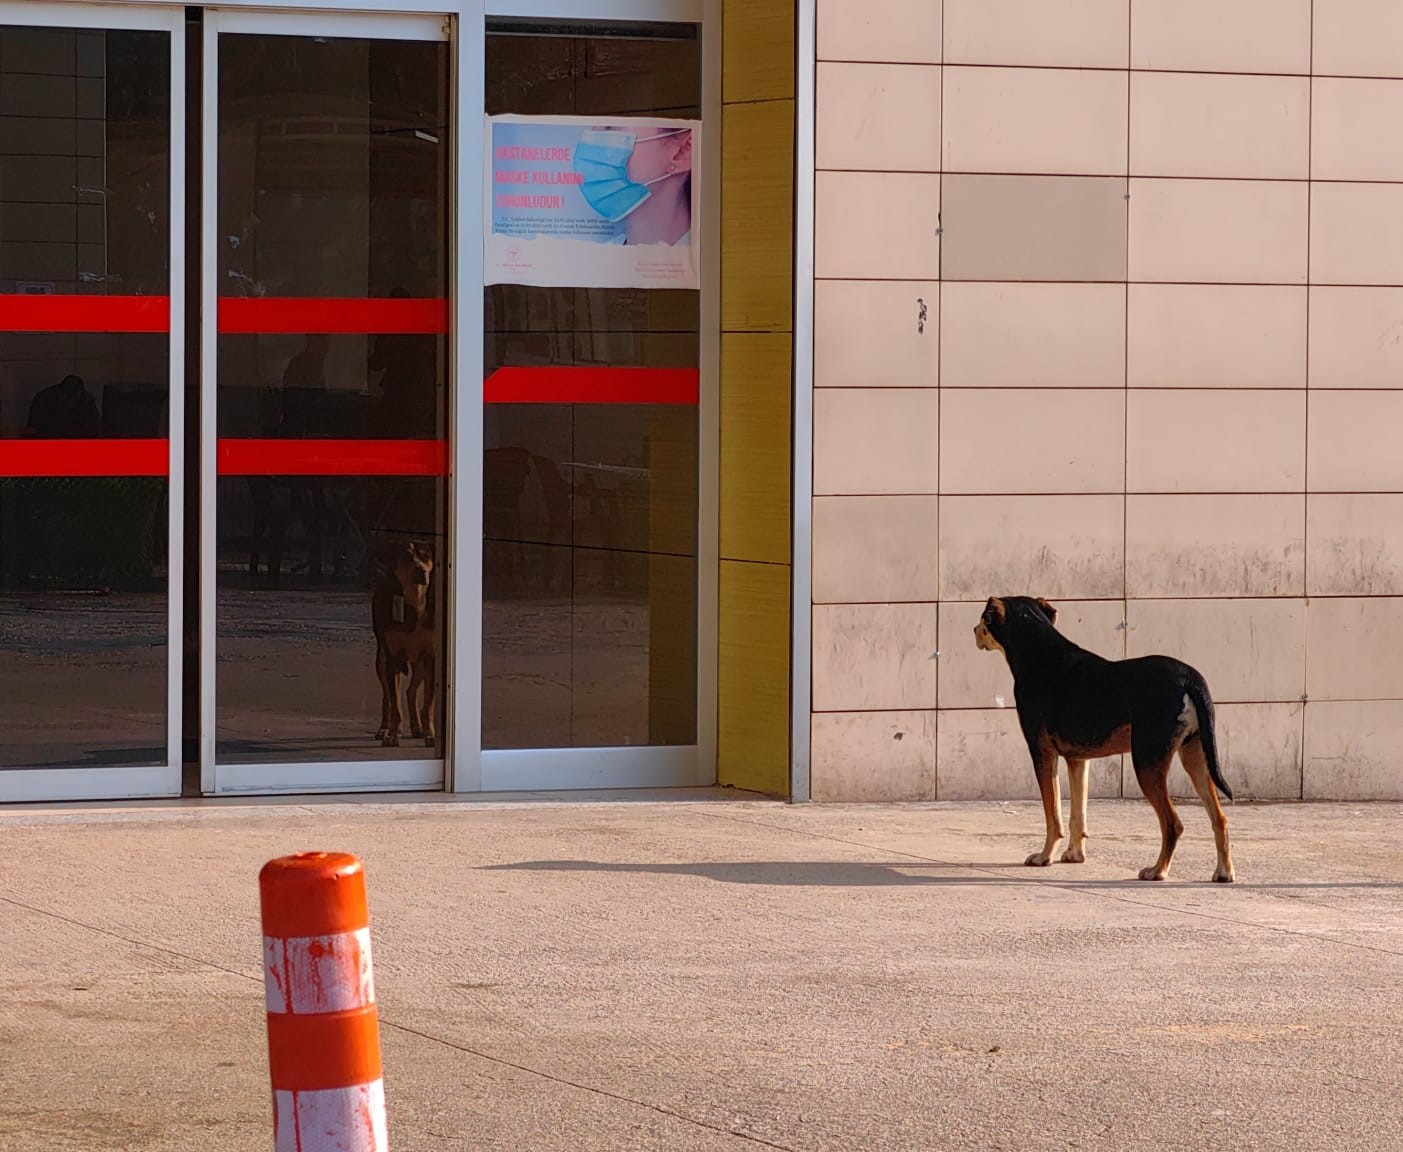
835	874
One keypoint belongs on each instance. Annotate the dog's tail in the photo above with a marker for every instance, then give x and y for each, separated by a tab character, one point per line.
1203	704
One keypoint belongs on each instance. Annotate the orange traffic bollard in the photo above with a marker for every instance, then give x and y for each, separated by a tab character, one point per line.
323	1031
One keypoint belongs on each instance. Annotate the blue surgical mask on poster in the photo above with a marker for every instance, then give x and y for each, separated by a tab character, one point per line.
601	158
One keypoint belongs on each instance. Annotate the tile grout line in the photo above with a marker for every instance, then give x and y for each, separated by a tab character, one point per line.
1227	72
1162	283
1305	470
1018	174
1125	370
939	394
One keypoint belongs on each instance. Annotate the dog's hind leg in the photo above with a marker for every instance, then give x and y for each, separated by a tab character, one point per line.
1153	775
1045	766
382	674
1195	762
1078	783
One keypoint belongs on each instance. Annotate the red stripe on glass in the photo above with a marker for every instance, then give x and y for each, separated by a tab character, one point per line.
84	313
572	384
84	457
267	314
333	457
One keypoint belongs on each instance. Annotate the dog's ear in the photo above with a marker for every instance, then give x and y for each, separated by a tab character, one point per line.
1047	608
997	609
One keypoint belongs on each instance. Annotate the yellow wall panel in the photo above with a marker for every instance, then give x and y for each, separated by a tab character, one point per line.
758	42
755	443
757	225
753	702
757	216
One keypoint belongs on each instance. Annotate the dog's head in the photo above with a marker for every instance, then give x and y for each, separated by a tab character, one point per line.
412	564
1003	613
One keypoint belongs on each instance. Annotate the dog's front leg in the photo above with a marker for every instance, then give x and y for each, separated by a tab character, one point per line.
392	730
1078	783
430	702
1045	766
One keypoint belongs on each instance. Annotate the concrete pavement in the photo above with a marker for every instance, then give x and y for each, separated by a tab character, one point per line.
713	974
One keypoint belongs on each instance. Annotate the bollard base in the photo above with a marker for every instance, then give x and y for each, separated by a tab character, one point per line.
331	1120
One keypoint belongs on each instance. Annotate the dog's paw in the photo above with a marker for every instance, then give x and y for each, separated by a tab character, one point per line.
390	741
1223	875
1038	860
1151	873
429	742
1074	856
380	734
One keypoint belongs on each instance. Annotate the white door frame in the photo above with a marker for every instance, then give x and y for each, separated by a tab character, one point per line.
153	780
374	775
802	492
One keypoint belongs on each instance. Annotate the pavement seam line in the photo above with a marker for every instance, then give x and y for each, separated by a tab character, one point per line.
1079	889
200	961
658	1108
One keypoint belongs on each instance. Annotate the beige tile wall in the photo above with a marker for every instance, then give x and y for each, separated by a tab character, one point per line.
1109	309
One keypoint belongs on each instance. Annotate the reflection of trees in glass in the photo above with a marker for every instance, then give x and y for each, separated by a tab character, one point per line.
90	531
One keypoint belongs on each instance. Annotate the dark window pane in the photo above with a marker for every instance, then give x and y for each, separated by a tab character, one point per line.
590	509
333	167
76	385
333	170
84	211
84	162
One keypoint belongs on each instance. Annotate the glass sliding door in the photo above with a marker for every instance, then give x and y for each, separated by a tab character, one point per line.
91	371
592	462
284	592
329	169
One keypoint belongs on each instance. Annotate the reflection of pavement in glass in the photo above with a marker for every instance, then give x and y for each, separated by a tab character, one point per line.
84	680
84	683
535	657
295	676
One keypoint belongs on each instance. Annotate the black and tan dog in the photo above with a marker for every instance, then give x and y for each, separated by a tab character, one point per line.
406	635
1077	705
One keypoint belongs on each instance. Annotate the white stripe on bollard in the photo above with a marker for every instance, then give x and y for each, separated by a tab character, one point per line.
309	974
332	1120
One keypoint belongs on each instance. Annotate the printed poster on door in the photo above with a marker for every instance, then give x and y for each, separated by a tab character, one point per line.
575	202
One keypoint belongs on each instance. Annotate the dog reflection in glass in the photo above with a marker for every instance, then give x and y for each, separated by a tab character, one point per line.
403	617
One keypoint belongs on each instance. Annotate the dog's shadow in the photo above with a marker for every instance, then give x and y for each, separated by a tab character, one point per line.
857	874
